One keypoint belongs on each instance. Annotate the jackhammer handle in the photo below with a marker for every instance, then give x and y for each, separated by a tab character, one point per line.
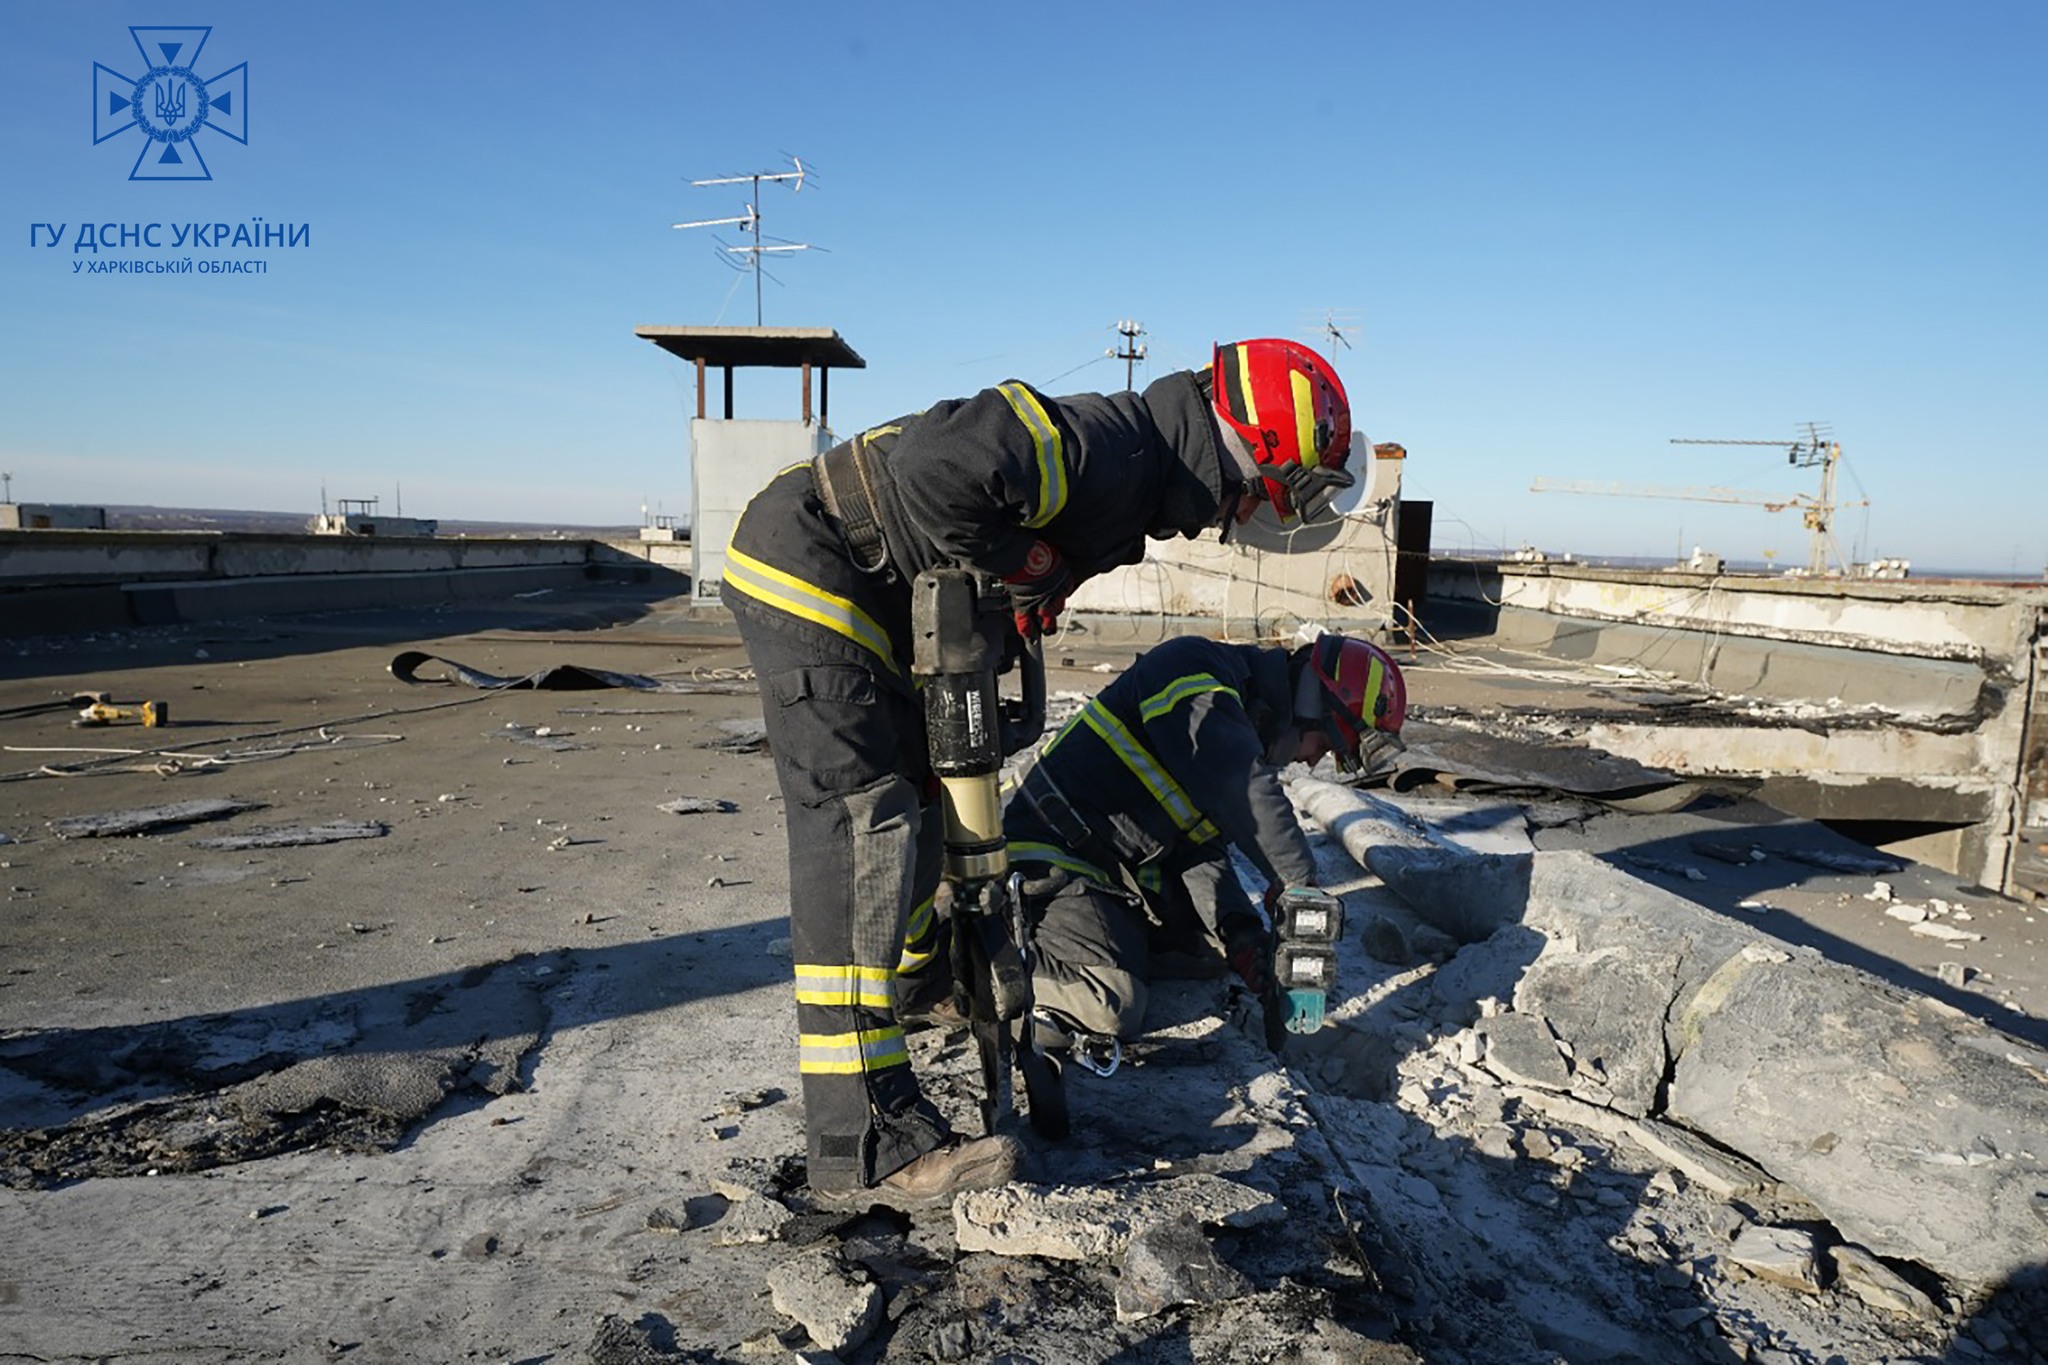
1024	722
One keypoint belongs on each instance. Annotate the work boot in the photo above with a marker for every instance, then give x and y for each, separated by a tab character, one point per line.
926	998
934	1178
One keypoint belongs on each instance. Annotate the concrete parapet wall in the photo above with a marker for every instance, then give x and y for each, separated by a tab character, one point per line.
1935	620
1886	700
1268	583
55	582
70	558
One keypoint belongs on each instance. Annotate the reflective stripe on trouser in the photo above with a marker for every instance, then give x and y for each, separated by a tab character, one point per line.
849	755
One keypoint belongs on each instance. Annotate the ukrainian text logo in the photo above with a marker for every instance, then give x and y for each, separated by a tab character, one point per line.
170	103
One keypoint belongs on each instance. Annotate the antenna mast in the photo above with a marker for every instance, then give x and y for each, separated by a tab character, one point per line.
750	221
1338	325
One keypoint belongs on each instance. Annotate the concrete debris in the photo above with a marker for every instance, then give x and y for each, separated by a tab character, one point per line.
1954	974
753	1222
1907	914
739	737
1097	1222
1853	863
1521	1049
1665	867
1740	855
698	805
665	1219
835	1300
1169	1264
536	737
113	824
1784	1256
1384	942
296	836
618	1342
1860	1273
1947	933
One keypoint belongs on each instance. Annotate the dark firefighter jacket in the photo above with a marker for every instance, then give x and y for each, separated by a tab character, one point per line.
1173	753
975	480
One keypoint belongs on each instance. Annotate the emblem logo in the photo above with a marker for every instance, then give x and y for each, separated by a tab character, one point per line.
170	103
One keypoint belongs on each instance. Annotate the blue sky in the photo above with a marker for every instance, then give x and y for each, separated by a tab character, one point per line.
1562	233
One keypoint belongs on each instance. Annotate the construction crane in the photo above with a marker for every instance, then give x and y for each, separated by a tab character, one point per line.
1814	449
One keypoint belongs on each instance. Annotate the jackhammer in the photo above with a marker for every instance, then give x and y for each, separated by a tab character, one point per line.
963	639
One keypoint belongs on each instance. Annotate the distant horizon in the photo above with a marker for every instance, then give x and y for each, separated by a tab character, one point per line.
1593	558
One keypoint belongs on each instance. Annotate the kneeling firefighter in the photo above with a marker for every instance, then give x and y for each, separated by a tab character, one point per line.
1034	495
1128	819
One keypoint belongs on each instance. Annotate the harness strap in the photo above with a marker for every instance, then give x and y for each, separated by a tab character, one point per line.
842	479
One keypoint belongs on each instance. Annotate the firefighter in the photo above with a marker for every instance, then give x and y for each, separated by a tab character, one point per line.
1127	821
1044	493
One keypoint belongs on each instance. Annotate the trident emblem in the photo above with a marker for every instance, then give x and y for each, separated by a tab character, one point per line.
170	106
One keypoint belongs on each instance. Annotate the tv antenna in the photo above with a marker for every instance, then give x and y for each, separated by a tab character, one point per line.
1338	326
1132	352
750	221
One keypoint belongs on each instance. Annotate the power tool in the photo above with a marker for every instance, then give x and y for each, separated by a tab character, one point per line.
963	639
1307	923
100	711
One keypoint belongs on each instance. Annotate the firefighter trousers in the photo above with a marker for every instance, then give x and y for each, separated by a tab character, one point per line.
864	847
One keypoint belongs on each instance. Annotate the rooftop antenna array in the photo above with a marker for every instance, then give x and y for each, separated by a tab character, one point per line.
750	221
1337	327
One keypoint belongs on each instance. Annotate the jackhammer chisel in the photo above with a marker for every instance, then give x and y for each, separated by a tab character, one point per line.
963	639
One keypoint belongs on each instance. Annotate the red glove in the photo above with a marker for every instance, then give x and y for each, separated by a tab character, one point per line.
1038	590
1248	948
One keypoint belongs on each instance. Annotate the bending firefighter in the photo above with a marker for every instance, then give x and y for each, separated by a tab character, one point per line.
1040	493
1129	816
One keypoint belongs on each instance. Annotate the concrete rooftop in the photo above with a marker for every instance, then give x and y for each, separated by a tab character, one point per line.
512	1077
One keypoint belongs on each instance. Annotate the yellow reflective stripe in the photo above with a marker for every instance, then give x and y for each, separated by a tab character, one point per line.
1305	420
847	1054
1025	851
772	587
913	957
1053	743
1167	792
1375	678
872	432
1052	469
1178	691
821	985
920	922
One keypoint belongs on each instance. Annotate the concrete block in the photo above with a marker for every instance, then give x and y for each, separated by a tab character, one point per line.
834	1300
1097	1222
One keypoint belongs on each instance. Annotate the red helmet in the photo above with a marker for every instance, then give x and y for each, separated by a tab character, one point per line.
1287	401
1365	698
